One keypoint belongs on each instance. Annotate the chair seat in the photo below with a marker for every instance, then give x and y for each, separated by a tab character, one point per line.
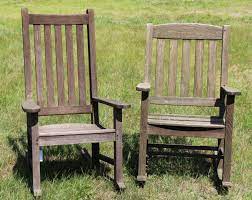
186	121
71	129
74	133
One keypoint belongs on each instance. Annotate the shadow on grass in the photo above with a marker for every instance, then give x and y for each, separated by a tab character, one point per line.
183	166
59	162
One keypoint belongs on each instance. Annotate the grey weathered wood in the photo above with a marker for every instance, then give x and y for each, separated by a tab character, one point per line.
81	65
30	106
182	146
145	87
35	155
187	31
26	53
172	72
182	132
59	65
185	69
211	77
224	55
186	101
143	137
219	127
230	91
228	140
148	53
48	63
71	129
161	154
38	64
198	72
70	66
58	19
65	110
64	134
182	121
118	149
92	52
113	103
76	139
159	80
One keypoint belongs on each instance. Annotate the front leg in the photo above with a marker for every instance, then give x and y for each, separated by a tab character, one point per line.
33	124
118	149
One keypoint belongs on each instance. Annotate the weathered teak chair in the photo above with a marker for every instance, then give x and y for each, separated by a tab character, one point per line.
51	97
220	127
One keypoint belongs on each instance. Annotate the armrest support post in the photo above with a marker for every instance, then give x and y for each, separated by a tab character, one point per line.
118	147
228	137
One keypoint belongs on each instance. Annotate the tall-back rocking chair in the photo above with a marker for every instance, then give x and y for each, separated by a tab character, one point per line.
178	92
60	89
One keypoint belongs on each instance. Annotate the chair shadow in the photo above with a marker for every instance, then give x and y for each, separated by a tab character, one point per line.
194	166
77	162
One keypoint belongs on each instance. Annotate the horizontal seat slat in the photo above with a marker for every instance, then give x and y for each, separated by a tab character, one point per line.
58	19
185	131
65	110
71	129
186	121
76	139
187	31
186	101
73	133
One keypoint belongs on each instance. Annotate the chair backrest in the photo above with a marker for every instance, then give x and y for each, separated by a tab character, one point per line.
190	36
59	86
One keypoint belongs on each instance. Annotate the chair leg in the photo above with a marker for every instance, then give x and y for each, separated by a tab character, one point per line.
142	157
118	150
143	138
35	156
227	164
228	142
220	160
95	155
29	141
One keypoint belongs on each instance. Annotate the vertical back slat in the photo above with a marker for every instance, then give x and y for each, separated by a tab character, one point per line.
185	69
59	65
27	53
159	80
224	59
198	73
81	65
92	52
38	64
48	63
148	53
172	72
211	69
70	65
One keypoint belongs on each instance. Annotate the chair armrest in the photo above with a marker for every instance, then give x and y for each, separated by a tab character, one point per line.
230	91
29	106
112	103
144	87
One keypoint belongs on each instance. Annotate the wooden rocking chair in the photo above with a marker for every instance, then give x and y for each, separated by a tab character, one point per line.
54	101
219	127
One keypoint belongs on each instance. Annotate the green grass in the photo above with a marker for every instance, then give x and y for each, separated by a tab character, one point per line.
120	30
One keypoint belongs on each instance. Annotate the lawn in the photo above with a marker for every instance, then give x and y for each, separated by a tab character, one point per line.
120	31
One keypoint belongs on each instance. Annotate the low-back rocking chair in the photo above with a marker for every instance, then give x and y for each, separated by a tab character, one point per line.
220	126
62	91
